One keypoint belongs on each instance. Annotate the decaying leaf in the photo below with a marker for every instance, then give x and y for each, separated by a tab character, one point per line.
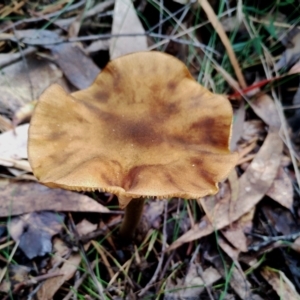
79	69
13	145
282	189
69	267
126	21
51	286
23	197
17	274
292	53
265	108
193	284
34	231
235	232
280	283
16	82
153	213
236	276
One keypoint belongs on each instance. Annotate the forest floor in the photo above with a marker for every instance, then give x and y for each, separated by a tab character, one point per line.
243	242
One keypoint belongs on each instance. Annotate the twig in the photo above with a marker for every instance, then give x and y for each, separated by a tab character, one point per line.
164	246
41	18
6	59
176	26
270	239
224	38
32	281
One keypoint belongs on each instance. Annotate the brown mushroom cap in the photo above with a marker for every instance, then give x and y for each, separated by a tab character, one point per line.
145	127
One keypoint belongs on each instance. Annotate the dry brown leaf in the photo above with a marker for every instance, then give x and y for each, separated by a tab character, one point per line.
51	286
254	184
85	227
126	21
240	284
69	267
34	231
296	245
17	274
280	283
238	280
79	69
193	284
234	233
232	252
16	82
281	190
265	108
18	197
226	42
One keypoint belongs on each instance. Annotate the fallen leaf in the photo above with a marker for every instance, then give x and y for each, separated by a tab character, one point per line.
253	185
23	197
97	46
193	284
232	252
281	190
13	145
296	245
24	113
280	219
126	21
34	232
252	130
22	82
153	212
265	108
292	52
79	69
5	123
235	232
52	285
69	267
17	274
280	283
85	227
237	279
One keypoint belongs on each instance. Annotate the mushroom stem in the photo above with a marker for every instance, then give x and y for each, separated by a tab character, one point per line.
132	217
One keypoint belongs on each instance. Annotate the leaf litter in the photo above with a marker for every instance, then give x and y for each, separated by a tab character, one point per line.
222	246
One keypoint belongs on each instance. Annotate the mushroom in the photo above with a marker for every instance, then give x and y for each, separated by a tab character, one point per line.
144	128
